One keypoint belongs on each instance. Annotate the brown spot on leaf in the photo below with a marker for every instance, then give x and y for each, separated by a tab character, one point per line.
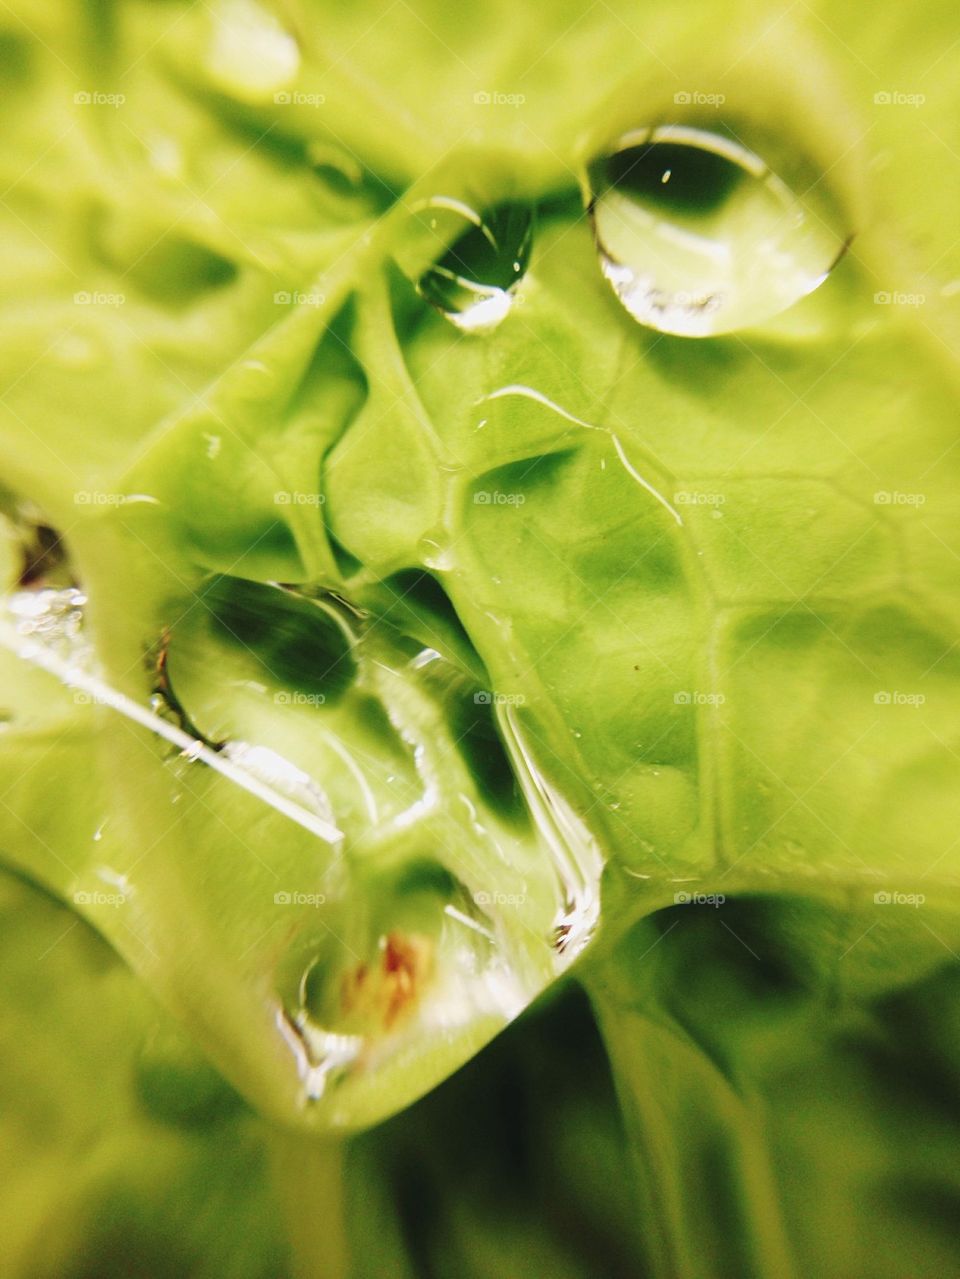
386	991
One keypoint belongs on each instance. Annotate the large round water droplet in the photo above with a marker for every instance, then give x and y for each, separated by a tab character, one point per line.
477	259
698	236
251	55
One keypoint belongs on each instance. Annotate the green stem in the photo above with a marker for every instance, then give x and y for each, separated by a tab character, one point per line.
309	1183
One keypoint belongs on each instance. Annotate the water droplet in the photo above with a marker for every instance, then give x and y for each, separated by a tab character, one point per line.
165	156
476	260
697	235
576	857
435	552
54	618
250	55
78	352
422	960
281	775
339	167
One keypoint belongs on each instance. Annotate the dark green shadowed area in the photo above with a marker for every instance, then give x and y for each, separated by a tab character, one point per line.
680	179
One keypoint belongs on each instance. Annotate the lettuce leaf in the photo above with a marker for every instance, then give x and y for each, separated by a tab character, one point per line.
508	609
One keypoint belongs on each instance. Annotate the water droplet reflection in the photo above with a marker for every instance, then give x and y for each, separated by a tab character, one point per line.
479	259
698	236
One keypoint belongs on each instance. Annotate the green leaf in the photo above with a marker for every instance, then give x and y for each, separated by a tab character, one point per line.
499	646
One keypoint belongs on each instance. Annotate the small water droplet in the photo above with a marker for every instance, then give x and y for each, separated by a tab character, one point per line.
339	167
697	235
78	352
256	374
165	156
476	260
435	552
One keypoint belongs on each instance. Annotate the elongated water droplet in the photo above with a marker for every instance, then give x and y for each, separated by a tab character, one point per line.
277	772
576	858
698	236
478	259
